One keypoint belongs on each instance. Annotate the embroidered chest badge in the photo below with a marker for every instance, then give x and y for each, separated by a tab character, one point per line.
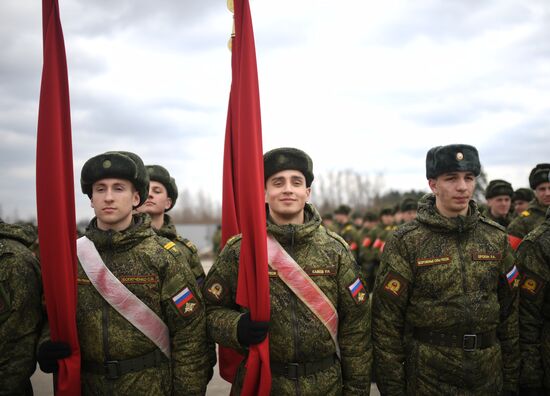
185	302
357	291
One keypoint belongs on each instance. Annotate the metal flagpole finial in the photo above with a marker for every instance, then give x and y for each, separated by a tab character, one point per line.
231	7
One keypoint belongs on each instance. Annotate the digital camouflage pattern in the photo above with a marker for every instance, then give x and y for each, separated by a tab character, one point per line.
151	268
295	333
21	313
528	220
185	246
371	249
534	307
445	275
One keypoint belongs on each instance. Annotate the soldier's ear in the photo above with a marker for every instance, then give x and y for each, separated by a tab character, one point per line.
308	193
433	185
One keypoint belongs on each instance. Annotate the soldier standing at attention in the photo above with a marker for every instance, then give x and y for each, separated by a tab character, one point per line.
499	200
445	306
528	220
308	356
21	312
534	310
140	316
163	193
521	199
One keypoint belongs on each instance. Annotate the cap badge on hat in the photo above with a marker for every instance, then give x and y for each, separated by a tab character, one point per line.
459	156
282	159
106	164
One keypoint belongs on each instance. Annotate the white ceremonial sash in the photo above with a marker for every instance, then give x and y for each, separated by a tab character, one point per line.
120	298
304	287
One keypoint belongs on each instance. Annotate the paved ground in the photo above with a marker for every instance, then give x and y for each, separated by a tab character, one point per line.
42	383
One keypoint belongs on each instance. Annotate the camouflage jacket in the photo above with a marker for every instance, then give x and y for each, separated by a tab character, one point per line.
21	313
152	269
185	246
528	220
296	335
534	307
350	234
447	275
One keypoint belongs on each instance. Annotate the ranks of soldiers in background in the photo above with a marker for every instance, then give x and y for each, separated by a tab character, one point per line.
534	310
499	201
217	241
117	358
304	355
357	220
521	199
445	299
372	245
347	229
533	216
163	193
408	210
329	223
21	313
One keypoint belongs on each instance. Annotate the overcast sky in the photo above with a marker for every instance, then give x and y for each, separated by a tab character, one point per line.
357	84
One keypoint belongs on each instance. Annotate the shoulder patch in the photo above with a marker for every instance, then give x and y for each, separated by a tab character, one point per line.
394	285
531	286
525	213
185	302
169	245
188	244
358	292
215	290
512	276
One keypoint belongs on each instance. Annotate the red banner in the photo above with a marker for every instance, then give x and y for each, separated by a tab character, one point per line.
243	207
55	199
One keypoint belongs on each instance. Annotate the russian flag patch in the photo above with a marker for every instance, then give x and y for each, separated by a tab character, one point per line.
357	291
512	276
185	301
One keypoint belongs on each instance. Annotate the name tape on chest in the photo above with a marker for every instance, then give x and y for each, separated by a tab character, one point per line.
426	262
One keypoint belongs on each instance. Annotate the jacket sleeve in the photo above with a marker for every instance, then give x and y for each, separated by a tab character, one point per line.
533	290
389	307
191	369
219	289
21	318
508	329
354	335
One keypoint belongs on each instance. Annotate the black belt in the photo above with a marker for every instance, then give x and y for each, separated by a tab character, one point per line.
466	341
293	371
113	369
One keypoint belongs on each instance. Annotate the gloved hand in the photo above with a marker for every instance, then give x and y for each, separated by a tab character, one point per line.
524	391
250	332
48	354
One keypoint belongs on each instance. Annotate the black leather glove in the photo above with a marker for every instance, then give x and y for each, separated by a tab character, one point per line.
48	354
250	332
524	391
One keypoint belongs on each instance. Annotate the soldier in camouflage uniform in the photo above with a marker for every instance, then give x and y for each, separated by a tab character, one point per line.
445	304
499	200
373	244
534	310
528	220
303	355
163	193
347	229
21	312
117	358
521	199
408	209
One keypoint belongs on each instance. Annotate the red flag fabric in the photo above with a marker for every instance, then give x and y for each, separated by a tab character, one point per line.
243	207
55	199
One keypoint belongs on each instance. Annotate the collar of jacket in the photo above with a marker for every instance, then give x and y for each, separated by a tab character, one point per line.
121	240
430	216
168	229
535	206
295	233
